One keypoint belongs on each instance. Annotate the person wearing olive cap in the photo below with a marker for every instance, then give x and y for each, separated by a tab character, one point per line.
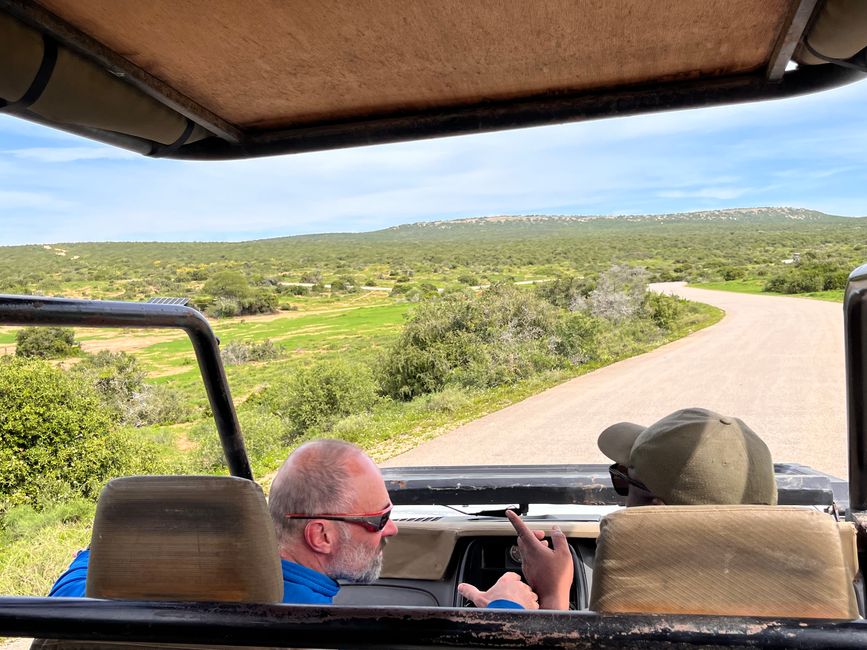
690	457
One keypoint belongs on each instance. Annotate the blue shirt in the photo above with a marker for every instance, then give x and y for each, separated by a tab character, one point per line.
73	581
301	585
306	586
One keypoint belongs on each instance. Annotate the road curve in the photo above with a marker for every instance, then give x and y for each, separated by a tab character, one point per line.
776	362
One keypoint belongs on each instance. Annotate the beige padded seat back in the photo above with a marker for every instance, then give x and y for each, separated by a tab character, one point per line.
184	538
725	560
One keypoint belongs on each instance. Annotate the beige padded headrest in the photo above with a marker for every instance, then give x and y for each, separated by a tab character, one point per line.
206	538
724	560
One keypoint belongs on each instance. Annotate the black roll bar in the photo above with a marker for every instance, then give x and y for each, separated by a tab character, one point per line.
37	310
317	626
855	327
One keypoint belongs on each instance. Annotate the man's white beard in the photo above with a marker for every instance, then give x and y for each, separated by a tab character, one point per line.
355	563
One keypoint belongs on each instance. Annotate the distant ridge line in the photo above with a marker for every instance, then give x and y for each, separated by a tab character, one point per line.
723	214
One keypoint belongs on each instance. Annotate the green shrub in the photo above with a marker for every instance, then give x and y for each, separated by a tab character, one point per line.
56	437
663	310
499	336
577	337
400	288
298	290
225	308
320	394
730	273
261	301
312	277
264	435
796	282
119	380
345	283
46	343
807	278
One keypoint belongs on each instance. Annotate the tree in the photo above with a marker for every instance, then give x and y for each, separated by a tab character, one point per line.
46	343
228	284
233	296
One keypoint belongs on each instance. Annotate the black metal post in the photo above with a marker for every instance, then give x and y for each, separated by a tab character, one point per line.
855	327
37	310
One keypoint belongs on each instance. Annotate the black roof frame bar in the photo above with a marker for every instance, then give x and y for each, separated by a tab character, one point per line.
40	18
541	110
38	310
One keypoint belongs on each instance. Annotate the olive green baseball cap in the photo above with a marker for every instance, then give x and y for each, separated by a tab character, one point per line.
695	457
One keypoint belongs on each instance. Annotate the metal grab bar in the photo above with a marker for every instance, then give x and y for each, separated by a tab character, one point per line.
38	310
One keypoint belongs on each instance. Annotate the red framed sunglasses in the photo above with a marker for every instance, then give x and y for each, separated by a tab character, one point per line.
373	521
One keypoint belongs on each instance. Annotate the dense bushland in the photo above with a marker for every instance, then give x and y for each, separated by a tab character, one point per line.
809	277
506	334
697	247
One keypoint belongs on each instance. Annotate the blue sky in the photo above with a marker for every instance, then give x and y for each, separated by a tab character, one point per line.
805	152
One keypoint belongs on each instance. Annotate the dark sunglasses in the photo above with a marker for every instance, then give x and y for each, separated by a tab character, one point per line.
621	480
374	521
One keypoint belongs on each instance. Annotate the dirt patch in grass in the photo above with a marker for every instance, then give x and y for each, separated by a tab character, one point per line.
127	343
183	442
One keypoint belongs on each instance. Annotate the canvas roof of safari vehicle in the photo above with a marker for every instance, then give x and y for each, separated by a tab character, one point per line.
237	79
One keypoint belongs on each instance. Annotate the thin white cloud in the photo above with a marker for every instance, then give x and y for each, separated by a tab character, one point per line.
12	199
71	154
705	193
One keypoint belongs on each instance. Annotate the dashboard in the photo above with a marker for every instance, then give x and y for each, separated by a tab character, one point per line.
436	549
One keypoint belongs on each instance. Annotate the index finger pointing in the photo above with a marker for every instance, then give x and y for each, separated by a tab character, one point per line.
520	527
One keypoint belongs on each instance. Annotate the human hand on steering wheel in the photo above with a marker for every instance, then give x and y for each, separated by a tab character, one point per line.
508	587
549	571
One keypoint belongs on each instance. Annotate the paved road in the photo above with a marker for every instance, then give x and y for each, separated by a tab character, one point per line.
776	362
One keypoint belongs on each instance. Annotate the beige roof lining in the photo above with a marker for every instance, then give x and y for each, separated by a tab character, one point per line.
304	62
271	78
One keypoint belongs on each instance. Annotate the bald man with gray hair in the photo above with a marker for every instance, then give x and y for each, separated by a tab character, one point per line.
332	516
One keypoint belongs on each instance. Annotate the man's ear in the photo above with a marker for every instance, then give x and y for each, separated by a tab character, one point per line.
320	536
